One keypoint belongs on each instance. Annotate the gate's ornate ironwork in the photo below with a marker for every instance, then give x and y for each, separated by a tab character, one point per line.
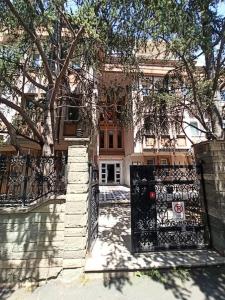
93	210
24	179
166	209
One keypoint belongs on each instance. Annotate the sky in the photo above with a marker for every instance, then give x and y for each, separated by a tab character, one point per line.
200	60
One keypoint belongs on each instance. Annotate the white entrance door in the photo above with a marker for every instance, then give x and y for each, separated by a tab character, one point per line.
110	173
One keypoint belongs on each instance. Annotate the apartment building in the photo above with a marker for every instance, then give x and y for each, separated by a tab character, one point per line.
118	144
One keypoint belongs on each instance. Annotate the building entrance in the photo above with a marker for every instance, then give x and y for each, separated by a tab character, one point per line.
110	173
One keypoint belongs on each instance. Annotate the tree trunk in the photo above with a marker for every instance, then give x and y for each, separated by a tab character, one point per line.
48	147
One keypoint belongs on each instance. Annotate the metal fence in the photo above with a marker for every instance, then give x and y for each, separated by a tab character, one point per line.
25	179
93	207
167	211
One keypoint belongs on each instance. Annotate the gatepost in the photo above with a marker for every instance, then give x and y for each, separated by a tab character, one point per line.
76	209
211	155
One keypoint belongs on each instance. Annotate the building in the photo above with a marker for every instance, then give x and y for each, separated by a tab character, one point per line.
121	145
119	142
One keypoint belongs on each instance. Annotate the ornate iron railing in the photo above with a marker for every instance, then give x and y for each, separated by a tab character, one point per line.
25	179
93	208
167	211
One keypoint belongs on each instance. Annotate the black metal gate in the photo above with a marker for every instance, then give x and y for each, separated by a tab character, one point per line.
166	208
93	207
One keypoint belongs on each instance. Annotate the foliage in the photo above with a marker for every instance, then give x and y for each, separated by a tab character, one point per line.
188	30
163	276
55	49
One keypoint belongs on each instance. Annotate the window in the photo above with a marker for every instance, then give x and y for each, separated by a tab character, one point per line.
36	62
102	139
166	141
193	128
151	161
145	90
72	113
110	136
29	101
181	141
222	95
163	162
119	139
149	141
147	84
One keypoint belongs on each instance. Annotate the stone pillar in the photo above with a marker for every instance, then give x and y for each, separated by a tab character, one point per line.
212	156
76	209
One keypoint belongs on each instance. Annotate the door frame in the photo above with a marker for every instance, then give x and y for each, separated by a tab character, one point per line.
110	162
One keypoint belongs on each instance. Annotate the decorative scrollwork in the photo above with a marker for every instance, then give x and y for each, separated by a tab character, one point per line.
154	223
24	179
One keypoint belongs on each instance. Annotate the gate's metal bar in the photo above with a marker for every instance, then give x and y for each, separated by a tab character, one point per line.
93	207
155	222
206	215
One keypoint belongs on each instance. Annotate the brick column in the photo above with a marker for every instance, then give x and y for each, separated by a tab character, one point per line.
76	209
212	155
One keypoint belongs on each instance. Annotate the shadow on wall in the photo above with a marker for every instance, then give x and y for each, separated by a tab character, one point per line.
31	244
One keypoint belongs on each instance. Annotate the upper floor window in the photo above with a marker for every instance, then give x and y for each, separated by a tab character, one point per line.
73	114
194	128
222	95
149	141
166	141
147	85
145	90
151	161
110	139
102	139
119	139
181	141
163	161
36	61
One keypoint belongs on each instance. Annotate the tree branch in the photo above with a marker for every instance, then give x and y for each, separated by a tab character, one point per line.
34	37
11	132
20	93
23	113
62	73
34	82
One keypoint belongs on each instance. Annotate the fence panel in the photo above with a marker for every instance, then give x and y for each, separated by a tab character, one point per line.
166	209
24	179
93	207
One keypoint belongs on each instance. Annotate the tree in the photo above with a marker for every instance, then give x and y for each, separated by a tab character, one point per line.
189	29
41	44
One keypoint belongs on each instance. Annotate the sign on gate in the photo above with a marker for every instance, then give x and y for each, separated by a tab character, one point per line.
178	210
166	208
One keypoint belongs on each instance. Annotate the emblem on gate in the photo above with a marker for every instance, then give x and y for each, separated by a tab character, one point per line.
152	195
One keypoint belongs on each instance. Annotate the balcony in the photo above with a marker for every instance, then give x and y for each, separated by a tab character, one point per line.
164	143
111	141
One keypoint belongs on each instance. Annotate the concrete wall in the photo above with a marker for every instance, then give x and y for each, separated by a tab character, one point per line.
31	243
212	155
76	211
38	243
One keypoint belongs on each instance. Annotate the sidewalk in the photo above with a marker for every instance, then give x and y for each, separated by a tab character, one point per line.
197	284
112	249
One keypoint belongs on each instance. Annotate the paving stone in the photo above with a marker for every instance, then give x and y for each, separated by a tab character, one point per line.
114	194
112	249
